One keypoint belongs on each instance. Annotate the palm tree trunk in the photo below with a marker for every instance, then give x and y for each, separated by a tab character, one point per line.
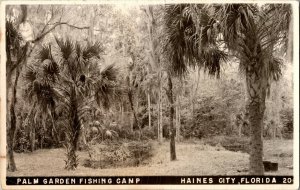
11	166
172	129
256	89
72	133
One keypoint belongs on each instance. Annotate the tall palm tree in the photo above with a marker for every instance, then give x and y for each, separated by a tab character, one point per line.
180	47
203	35
69	74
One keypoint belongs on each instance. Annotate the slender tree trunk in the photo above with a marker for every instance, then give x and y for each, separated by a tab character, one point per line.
256	89
193	95
44	132
290	41
132	106
158	119
240	129
137	109
172	129
83	134
122	112
130	97
149	109
160	126
32	137
73	133
155	63
54	133
131	121
91	29
178	118
160	123
31	127
11	166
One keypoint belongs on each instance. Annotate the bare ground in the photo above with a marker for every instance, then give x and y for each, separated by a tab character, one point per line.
193	158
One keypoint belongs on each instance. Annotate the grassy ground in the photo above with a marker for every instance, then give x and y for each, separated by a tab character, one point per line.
194	158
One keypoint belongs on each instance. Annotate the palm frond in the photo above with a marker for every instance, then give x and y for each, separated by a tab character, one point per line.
44	53
191	35
66	48
93	50
50	68
30	74
106	87
212	59
174	44
273	68
109	73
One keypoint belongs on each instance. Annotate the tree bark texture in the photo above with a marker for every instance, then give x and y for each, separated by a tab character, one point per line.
172	111
160	127
149	109
31	126
178	108
256	89
72	133
11	165
130	97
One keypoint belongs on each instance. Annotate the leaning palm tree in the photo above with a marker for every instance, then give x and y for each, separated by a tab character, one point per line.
69	74
203	34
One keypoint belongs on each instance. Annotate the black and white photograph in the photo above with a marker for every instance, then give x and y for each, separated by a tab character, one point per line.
149	95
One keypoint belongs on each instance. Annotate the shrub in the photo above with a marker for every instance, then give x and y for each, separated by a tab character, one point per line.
287	121
209	119
22	142
108	155
140	152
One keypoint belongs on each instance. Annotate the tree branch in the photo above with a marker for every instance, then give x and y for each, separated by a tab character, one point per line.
54	26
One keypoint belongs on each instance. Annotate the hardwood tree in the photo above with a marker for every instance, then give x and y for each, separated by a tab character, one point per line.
15	54
155	66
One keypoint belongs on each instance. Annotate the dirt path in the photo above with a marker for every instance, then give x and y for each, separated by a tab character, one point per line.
193	159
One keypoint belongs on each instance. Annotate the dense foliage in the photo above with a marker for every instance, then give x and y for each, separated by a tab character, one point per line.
109	80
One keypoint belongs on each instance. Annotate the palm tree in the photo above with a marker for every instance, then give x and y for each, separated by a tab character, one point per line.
180	48
203	35
69	74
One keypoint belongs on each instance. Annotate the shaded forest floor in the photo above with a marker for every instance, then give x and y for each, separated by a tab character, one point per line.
193	158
